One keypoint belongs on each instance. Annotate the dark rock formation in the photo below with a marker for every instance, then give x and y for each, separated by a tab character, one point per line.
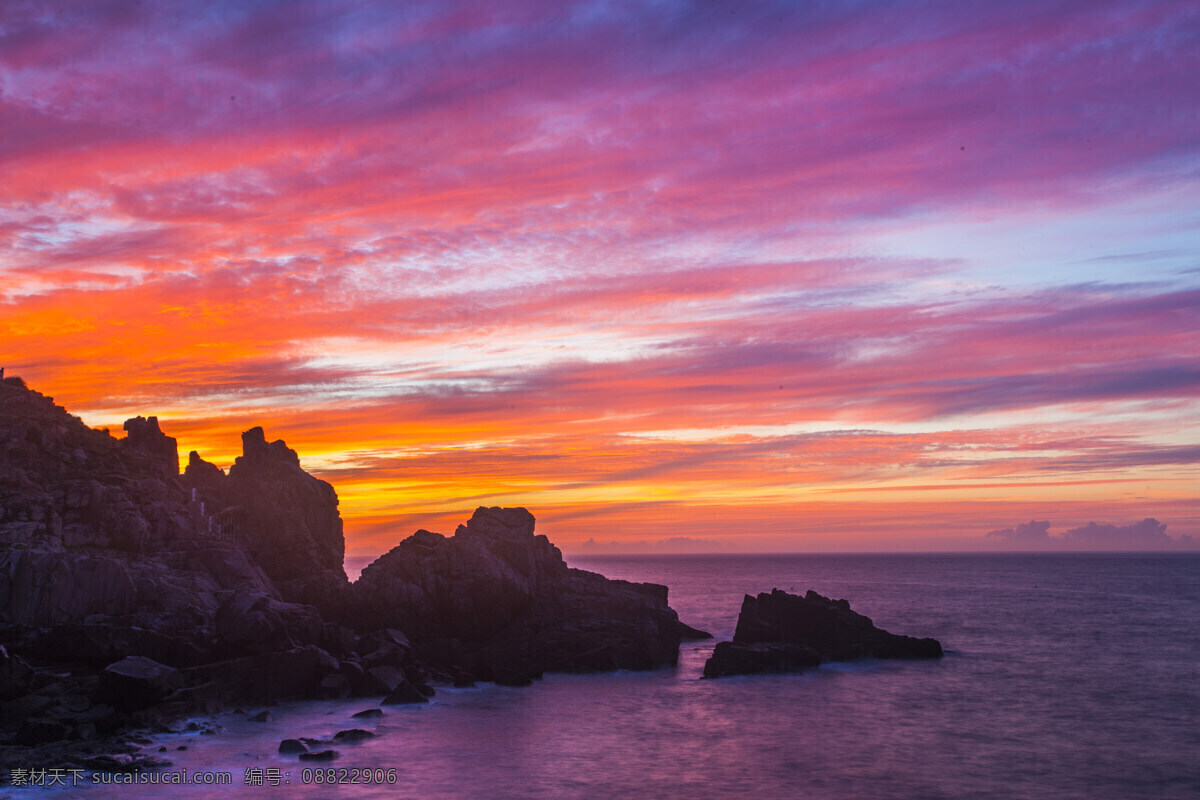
144	434
404	693
100	540
130	593
500	603
107	553
781	632
729	658
285	519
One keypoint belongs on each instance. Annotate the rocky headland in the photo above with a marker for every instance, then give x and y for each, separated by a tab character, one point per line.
132	595
496	602
781	632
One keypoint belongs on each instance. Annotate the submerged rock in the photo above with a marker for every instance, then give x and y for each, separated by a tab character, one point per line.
781	632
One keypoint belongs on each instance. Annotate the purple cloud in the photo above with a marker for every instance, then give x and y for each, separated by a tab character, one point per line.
1028	533
1149	534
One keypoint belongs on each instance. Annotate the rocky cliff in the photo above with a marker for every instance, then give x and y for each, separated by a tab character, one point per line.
99	534
107	553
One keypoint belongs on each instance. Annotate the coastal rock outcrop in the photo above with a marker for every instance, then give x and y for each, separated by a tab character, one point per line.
129	592
781	632
107	555
97	532
499	602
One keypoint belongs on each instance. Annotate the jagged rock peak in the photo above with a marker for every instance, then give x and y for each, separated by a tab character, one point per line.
143	429
513	524
144	434
206	477
199	467
256	449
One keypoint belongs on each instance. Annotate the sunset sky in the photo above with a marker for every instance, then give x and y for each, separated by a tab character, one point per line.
701	276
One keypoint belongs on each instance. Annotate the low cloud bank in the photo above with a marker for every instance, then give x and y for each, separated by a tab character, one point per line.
1149	534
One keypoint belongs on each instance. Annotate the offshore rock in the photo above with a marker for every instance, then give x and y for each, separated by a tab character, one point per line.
746	659
781	632
497	601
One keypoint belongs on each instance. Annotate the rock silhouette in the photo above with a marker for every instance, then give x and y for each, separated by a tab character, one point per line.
499	602
781	632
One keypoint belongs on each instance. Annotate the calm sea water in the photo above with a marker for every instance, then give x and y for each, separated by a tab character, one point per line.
1066	676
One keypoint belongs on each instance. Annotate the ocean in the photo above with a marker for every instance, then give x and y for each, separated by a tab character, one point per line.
1065	676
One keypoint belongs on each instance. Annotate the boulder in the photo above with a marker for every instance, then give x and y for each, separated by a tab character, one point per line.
137	682
381	680
405	693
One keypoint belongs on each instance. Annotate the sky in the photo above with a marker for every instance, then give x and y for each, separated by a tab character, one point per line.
675	276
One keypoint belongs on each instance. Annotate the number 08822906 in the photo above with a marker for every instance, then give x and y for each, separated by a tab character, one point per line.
336	776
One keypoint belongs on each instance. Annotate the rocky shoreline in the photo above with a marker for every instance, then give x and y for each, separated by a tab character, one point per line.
133	597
